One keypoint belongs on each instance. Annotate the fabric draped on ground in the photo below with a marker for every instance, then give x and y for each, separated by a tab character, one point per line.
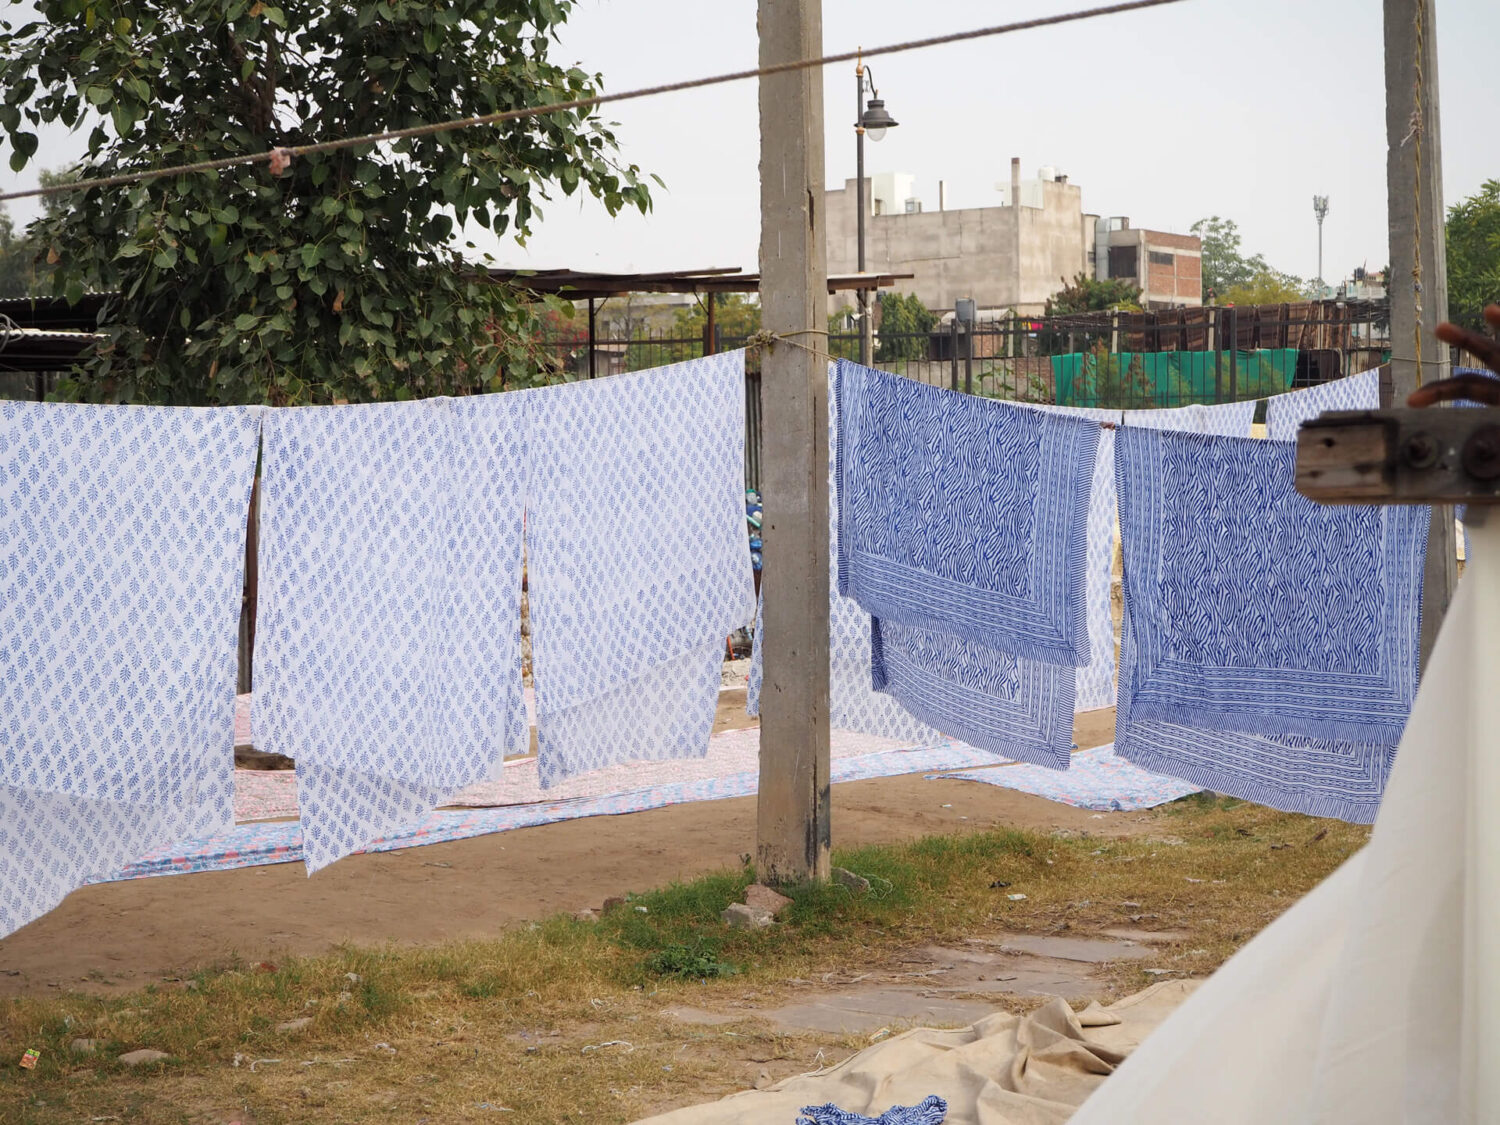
638	560
1004	1070
122	530
1098	779
387	656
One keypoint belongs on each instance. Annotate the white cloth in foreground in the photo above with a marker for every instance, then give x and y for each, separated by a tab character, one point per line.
388	642
638	559
1377	997
1285	413
122	554
1229	419
1096	679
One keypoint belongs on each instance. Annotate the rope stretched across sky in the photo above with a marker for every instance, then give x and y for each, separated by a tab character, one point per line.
278	157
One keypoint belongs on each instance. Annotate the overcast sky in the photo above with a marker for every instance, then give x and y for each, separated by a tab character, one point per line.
1226	107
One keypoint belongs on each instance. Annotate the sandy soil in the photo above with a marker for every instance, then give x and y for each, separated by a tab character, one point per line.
124	935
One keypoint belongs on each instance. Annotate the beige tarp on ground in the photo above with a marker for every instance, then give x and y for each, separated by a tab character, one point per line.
1004	1070
1376	999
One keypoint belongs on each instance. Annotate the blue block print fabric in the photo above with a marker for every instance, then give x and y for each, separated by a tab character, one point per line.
1317	777
1021	709
638	560
1285	413
931	1111
122	552
1255	609
853	704
964	515
387	656
1229	419
1096	680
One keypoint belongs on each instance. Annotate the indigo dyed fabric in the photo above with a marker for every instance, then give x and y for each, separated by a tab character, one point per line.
1258	610
931	1111
964	515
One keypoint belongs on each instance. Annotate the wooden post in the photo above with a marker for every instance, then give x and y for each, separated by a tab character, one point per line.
793	819
1418	282
251	592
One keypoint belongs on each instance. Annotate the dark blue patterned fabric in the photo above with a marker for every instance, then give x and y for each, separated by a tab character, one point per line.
1270	644
1256	609
930	1112
964	515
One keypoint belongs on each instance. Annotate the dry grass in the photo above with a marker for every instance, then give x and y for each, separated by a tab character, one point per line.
563	1021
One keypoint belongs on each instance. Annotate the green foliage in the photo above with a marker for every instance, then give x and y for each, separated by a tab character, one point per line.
699	960
1473	238
1225	268
1088	294
842	323
735	315
336	278
17	260
904	326
1266	288
1108	383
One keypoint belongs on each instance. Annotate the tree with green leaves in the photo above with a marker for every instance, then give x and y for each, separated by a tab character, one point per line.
1473	241
1226	268
1265	288
735	315
905	324
336	278
1089	294
17	260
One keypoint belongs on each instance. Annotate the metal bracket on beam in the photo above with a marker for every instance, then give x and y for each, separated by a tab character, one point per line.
1401	456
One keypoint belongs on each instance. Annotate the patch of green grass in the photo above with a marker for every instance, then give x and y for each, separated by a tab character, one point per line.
699	961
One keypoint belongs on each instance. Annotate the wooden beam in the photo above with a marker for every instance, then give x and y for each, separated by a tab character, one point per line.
793	825
1433	456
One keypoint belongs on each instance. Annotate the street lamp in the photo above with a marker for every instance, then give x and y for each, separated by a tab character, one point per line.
874	120
1320	209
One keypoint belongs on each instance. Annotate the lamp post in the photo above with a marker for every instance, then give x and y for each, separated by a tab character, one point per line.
872	119
1320	209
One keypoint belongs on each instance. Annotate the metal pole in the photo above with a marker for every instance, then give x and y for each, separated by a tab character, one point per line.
968	359
863	295
953	354
591	337
710	329
1419	270
792	820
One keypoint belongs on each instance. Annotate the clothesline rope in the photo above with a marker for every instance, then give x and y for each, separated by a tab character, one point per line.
279	157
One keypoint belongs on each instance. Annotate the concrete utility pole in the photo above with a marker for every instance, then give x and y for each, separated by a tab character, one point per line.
1418	282
793	816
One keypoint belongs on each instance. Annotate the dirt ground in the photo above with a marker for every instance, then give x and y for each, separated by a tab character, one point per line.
124	935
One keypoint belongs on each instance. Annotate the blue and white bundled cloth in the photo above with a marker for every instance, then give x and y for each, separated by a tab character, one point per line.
388	650
931	1111
963	515
1228	419
122	554
1285	413
1283	632
638	561
1096	680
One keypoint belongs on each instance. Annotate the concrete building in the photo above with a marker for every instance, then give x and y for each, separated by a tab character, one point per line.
1004	257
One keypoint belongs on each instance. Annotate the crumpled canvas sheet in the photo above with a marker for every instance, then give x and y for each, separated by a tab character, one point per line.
122	548
1285	413
388	643
1004	1070
638	559
1376	998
